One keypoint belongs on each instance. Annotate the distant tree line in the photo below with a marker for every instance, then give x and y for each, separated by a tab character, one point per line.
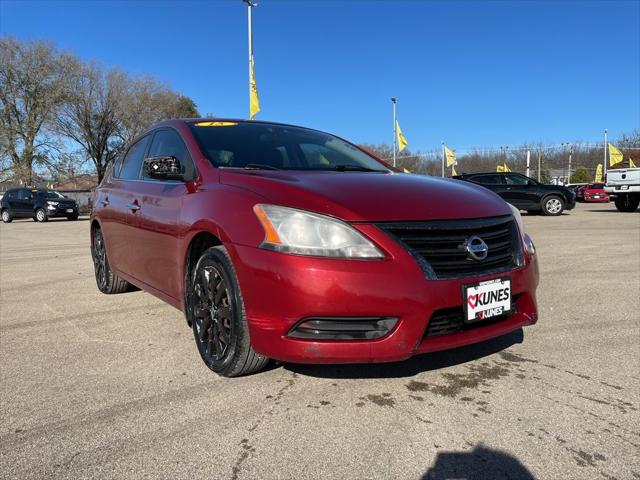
585	158
57	112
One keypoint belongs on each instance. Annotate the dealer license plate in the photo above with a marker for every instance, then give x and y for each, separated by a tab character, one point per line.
69	210
486	300
622	187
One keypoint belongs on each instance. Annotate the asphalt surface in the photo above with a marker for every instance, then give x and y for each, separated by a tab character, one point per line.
97	386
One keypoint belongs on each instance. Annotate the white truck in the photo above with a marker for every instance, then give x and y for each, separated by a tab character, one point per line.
624	184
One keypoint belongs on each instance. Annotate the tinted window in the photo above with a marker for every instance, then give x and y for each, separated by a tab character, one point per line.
11	195
597	186
132	162
167	143
238	145
486	179
24	194
516	180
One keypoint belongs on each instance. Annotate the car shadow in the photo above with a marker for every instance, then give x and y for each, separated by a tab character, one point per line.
612	210
481	463
412	366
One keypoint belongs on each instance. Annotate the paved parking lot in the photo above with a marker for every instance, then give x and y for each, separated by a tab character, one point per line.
96	386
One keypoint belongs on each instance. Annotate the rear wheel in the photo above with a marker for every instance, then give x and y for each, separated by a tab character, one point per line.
627	203
552	205
217	315
107	281
6	216
41	215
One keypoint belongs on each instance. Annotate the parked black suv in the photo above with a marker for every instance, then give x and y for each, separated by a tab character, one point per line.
525	193
39	204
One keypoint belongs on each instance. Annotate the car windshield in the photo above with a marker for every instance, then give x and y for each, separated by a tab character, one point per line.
50	194
278	147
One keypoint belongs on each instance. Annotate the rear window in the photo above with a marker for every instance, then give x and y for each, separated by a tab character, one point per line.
486	179
596	186
240	145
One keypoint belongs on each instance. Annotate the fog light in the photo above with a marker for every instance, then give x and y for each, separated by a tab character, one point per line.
343	328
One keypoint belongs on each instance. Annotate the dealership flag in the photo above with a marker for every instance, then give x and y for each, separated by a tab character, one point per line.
615	156
503	168
450	155
254	101
598	173
631	164
453	170
402	142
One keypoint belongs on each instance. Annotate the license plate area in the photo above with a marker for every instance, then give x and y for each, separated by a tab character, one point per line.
69	210
486	300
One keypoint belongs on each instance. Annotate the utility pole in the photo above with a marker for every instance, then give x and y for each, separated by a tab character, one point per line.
528	160
539	163
443	157
570	155
394	100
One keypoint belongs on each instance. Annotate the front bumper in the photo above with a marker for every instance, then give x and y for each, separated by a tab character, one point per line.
61	211
280	290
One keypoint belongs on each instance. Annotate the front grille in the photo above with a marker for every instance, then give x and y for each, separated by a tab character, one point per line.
440	246
451	320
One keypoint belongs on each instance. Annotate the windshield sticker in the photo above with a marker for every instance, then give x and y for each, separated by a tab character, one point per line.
215	124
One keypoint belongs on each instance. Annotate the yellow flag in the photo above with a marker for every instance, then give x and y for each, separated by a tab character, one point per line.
406	170
453	170
631	164
402	142
503	168
615	155
598	173
450	155
254	101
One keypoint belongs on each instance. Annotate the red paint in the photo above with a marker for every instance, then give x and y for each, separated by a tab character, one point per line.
594	192
148	247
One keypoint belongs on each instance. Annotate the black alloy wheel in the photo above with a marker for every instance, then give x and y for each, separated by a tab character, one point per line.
106	280
216	311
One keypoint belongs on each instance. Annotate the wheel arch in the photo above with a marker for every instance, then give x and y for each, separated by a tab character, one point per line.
198	243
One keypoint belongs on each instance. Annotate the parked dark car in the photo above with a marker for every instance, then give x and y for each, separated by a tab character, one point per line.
525	193
288	243
39	204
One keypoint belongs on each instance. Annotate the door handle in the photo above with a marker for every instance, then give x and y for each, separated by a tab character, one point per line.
133	206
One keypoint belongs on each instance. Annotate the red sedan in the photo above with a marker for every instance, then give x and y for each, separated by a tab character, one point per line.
594	192
288	243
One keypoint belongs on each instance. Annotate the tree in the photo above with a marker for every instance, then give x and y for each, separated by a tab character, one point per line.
33	86
91	116
580	175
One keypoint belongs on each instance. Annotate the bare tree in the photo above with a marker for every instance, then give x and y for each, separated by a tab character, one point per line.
91	116
33	86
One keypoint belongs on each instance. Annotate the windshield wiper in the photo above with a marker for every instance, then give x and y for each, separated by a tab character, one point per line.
353	168
259	166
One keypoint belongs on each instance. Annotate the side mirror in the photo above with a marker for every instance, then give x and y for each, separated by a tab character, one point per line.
163	168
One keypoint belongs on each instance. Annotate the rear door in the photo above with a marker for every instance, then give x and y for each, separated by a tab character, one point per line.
23	205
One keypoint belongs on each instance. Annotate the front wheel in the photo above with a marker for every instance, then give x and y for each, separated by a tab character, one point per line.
41	215
552	206
6	216
217	315
627	203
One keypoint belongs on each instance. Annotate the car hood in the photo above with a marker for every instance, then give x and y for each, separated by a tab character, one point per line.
369	196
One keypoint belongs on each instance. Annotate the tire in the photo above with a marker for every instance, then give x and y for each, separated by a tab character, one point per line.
217	315
107	281
72	217
41	215
552	205
625	203
6	216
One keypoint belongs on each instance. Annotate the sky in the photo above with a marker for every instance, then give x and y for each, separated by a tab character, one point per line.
470	73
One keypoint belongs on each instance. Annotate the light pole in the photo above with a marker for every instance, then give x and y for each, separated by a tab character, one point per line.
250	5
394	100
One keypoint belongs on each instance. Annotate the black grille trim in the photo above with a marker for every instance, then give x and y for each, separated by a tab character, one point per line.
438	246
451	320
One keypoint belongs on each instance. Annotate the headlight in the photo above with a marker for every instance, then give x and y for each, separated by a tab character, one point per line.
304	233
49	202
526	239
